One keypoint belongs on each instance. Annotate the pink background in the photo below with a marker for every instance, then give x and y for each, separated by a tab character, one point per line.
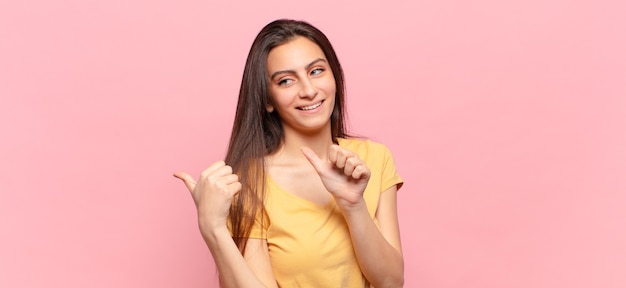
507	120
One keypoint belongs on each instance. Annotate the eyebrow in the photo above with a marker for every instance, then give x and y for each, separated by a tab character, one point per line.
293	72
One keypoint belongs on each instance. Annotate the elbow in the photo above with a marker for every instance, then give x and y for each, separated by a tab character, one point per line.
392	284
400	282
391	276
397	283
393	281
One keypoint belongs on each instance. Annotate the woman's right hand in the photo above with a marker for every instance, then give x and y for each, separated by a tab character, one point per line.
213	194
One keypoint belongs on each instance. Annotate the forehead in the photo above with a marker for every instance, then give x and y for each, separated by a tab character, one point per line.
293	55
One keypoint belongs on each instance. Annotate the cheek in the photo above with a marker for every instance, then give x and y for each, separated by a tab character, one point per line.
281	98
330	86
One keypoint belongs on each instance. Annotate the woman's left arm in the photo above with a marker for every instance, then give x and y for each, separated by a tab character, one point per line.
378	250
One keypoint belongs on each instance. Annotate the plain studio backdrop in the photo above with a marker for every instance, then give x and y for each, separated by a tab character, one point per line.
507	120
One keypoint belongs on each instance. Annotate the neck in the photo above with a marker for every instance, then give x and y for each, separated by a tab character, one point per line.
318	141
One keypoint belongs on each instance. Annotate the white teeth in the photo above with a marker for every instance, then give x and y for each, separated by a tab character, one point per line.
311	107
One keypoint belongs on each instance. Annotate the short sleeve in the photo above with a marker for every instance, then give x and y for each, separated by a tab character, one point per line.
259	227
390	175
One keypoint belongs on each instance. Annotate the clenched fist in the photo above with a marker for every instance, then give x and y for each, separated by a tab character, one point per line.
213	194
344	175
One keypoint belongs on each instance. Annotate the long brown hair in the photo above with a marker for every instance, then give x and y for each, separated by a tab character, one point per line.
257	132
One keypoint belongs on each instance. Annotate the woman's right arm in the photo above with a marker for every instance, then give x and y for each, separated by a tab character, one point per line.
252	270
213	194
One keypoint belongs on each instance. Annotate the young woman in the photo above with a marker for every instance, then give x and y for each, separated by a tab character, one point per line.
306	205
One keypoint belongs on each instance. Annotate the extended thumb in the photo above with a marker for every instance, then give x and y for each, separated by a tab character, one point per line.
187	179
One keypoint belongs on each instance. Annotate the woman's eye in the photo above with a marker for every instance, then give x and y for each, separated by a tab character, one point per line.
317	71
284	82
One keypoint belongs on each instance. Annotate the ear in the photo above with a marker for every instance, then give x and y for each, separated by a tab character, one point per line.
269	108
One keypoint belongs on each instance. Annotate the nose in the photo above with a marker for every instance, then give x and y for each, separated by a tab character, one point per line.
307	89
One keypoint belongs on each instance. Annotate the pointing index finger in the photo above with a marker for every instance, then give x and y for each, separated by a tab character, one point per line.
317	163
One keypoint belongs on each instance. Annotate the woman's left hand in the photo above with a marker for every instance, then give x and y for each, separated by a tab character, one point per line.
344	175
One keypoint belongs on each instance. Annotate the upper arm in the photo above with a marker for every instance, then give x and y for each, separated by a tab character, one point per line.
387	217
258	259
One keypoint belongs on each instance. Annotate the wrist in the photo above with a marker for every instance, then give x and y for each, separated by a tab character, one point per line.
353	208
213	232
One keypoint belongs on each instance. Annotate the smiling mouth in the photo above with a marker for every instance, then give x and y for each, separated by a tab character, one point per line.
310	107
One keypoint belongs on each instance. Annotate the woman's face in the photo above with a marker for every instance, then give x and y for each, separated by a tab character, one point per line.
302	86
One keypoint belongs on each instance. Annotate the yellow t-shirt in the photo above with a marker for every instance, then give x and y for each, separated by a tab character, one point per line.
309	244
